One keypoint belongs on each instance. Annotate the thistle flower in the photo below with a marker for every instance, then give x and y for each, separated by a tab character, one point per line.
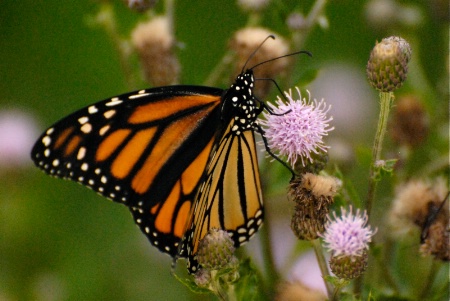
296	129
387	67
154	43
313	195
348	238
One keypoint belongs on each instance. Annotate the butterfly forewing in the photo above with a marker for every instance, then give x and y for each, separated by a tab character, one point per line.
143	149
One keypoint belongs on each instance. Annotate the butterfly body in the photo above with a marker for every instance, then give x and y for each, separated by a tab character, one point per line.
181	158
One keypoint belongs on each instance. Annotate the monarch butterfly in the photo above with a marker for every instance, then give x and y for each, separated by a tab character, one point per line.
181	158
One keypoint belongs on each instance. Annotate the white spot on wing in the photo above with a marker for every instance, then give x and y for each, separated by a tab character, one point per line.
81	153
114	102
46	141
103	130
86	128
83	120
92	110
109	114
141	94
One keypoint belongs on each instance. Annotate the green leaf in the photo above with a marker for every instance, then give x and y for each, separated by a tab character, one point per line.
248	286
383	168
190	283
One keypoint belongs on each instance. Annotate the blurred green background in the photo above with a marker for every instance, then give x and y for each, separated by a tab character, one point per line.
60	241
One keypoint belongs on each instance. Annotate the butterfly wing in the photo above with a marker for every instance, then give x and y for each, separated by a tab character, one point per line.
146	149
230	197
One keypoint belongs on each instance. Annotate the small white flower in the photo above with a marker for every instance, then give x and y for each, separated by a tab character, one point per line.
297	128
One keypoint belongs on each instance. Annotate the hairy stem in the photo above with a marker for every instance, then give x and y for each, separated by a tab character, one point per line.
318	250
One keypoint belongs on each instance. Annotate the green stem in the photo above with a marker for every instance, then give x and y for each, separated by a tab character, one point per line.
385	263
318	250
106	19
310	20
386	99
429	280
269	263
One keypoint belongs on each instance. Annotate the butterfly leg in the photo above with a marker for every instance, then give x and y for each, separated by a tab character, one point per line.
269	151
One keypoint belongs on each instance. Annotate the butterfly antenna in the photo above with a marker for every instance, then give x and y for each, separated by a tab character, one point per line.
280	57
256	50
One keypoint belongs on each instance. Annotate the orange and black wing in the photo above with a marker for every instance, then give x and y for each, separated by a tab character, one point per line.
230	196
147	150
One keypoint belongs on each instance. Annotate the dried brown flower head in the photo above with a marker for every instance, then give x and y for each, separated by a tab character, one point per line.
155	43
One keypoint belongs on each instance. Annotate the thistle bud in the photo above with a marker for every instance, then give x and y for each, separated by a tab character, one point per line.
387	67
350	266
215	250
154	43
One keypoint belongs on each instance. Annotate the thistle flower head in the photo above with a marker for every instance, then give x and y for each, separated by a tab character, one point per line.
348	235
155	43
387	67
313	195
296	129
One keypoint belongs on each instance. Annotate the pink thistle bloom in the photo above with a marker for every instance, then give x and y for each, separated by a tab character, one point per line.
300	131
348	234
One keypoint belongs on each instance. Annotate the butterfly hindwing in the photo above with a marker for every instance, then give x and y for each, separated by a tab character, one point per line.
230	197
